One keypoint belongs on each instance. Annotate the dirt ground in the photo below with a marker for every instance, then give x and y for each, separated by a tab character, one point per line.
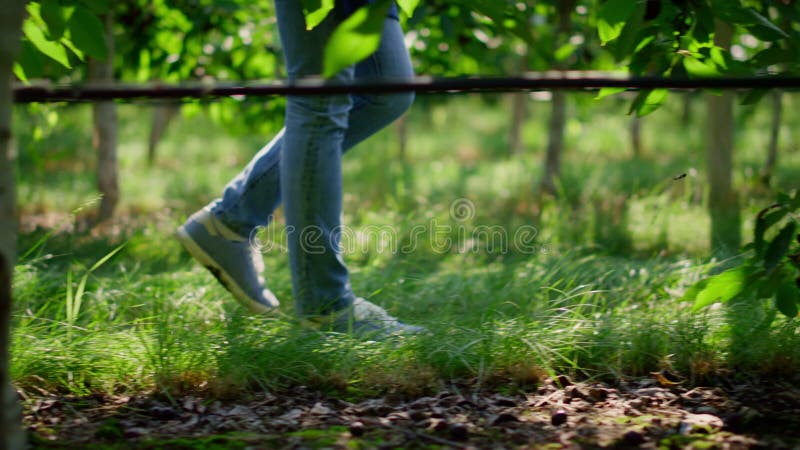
639	413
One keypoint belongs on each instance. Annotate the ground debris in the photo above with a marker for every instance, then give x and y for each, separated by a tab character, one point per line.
561	413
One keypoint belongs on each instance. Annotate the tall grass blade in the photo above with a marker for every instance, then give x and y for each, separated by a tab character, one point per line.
75	301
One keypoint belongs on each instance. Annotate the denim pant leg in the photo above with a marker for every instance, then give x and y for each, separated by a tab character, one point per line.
249	200
318	130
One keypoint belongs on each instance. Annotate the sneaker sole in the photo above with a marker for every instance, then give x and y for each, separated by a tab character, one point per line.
224	278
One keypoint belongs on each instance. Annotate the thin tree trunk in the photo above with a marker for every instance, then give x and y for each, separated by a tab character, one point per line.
105	129
636	136
686	113
11	436
401	125
723	202
558	116
774	137
163	114
555	145
519	102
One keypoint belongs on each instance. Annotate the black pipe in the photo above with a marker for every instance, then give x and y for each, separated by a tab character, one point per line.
543	81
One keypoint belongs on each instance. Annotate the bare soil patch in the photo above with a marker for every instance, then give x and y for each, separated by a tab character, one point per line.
637	413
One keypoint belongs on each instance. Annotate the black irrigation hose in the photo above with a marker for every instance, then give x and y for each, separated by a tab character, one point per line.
543	81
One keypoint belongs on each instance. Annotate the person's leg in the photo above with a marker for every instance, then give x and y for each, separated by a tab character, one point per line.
249	200
311	169
317	131
312	135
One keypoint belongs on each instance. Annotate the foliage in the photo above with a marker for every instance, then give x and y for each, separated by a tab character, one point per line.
64	32
179	40
655	37
676	38
364	27
167	40
74	300
469	38
208	40
773	269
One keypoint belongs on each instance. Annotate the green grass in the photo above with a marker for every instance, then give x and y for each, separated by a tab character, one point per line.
595	294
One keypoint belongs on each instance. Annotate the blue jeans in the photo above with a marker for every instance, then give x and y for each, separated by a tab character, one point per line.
303	163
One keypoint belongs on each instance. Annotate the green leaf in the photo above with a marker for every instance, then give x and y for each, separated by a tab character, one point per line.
719	58
766	34
97	6
642	58
731	11
31	62
316	11
88	33
722	287
607	91
20	72
612	17
53	15
699	68
765	26
765	288
704	23
648	101
644	43
565	51
143	74
760	26
71	46
634	34
691	293
779	246
356	38
105	258
69	298
787	297
764	220
753	96
408	6
772	56
54	50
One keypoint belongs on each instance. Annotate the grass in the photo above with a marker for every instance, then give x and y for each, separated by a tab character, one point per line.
587	285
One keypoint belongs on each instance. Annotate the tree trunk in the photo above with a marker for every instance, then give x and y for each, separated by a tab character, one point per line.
105	130
686	113
11	436
518	107
401	125
558	116
774	137
519	101
406	181
163	113
555	145
636	136
723	202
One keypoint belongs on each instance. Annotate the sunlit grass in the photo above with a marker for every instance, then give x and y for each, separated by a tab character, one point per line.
597	294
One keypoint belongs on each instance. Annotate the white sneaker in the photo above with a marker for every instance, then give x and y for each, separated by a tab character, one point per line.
367	320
